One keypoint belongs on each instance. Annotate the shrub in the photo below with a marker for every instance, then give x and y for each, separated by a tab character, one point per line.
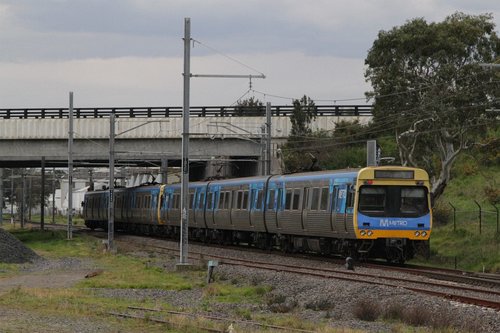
492	194
320	305
366	310
280	304
394	311
441	213
418	316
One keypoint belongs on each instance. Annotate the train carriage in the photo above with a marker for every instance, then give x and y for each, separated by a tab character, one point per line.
381	212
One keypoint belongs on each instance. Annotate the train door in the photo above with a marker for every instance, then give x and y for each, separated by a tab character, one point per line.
212	201
339	212
163	205
306	207
199	208
280	205
270	208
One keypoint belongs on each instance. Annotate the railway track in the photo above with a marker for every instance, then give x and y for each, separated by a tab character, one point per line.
444	283
483	297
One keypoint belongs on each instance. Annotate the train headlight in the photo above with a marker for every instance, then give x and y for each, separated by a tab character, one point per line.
417	233
424	233
369	233
363	233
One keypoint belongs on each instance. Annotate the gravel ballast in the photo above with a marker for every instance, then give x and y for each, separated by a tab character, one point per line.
12	251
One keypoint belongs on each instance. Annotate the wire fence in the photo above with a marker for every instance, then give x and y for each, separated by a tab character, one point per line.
477	227
484	217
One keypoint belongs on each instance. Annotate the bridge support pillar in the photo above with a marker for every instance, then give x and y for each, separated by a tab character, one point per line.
163	170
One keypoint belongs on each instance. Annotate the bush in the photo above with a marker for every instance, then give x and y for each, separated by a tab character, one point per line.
280	304
441	213
418	316
320	305
366	310
394	311
492	194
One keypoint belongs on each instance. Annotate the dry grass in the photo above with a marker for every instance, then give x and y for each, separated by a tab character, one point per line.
367	310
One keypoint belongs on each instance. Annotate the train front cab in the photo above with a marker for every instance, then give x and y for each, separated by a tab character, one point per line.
392	211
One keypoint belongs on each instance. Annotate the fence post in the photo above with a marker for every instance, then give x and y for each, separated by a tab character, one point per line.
454	216
479	215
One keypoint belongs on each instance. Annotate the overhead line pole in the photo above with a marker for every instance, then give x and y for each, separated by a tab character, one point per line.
70	168
111	204
185	136
185	145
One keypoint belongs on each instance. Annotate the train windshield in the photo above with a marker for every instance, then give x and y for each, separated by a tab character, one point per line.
393	201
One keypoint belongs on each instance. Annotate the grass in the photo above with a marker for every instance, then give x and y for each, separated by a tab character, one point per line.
124	271
461	243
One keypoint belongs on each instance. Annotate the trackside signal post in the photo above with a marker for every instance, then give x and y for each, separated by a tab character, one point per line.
185	138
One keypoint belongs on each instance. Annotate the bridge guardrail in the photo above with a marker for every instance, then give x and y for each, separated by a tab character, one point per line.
176	111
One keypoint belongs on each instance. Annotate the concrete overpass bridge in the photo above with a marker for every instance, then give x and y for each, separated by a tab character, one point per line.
228	140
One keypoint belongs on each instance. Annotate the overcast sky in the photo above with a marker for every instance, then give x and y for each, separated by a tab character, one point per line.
130	52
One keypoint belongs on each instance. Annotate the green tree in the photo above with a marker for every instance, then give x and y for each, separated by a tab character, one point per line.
300	153
250	107
304	111
430	91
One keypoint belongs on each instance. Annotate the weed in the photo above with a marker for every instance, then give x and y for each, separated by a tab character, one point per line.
320	305
366	310
393	312
417	316
281	304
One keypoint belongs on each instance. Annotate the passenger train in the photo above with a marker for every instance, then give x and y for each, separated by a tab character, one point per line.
374	212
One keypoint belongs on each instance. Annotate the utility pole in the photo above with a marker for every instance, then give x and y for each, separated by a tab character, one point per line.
185	145
111	205
70	168
12	196
1	196
185	136
53	195
268	138
42	197
23	197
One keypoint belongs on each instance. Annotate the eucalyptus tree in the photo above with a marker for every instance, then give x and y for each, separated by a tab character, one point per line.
430	89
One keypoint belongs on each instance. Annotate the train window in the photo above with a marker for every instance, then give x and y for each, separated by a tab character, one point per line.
175	201
306	199
350	198
315	199
279	200
222	199
325	198
413	201
244	204
372	200
270	203
202	200
296	199
210	203
227	200
288	199
191	200
237	200
260	199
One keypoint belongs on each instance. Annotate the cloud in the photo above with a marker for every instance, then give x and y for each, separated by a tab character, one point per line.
135	81
129	52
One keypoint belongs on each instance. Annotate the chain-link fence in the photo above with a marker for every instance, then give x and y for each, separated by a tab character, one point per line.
477	227
484	217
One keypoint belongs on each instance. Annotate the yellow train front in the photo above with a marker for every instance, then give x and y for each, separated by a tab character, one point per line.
392	214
